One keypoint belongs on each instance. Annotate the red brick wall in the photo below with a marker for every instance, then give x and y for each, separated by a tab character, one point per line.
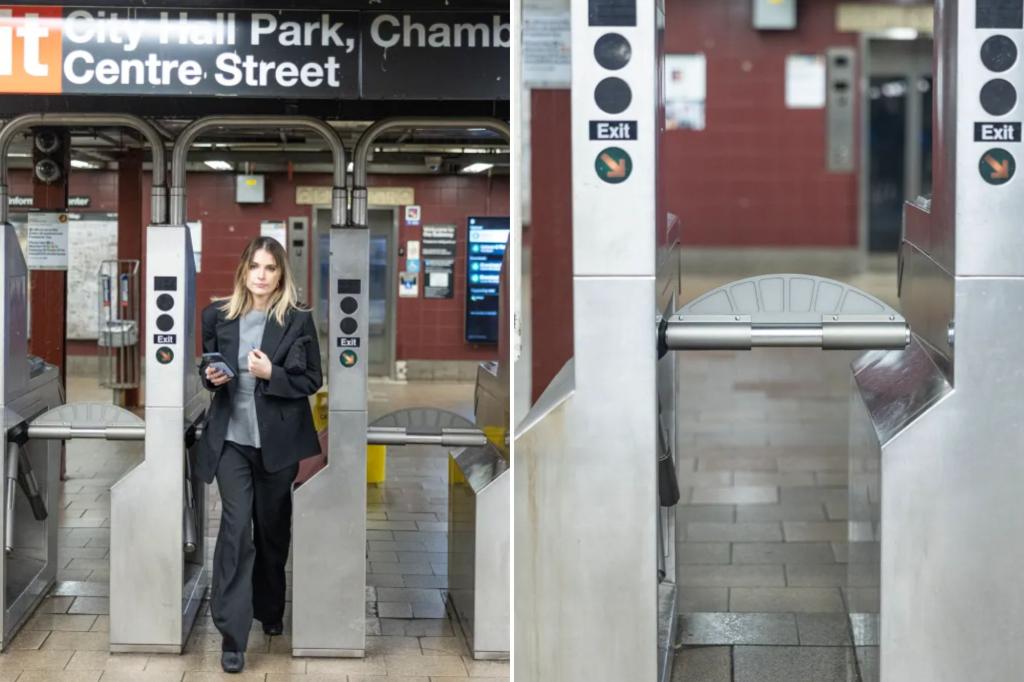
430	329
756	175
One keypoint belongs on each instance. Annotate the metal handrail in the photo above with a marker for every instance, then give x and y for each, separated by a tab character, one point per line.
363	146
192	131
158	191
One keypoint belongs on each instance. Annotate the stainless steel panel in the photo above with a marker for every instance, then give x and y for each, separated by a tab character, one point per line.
590	612
479	550
329	518
156	587
927	296
840	122
30	570
987	243
299	246
329	546
13	314
614	224
950	533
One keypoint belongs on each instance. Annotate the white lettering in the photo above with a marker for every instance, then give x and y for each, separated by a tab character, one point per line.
32	33
329	34
107	72
69	67
228	73
78	26
291	34
190	73
287	74
375	28
311	74
263	24
383	32
6	45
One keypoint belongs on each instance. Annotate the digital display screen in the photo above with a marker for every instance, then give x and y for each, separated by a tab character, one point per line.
488	239
165	283
999	14
612	12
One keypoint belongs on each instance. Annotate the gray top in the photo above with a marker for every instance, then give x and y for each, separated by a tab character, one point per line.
242	426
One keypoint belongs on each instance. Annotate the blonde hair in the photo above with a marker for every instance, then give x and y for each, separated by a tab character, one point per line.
284	297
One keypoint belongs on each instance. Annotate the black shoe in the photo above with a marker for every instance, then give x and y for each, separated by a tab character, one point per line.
273	629
232	661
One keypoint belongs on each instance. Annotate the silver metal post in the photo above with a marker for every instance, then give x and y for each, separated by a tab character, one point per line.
12	482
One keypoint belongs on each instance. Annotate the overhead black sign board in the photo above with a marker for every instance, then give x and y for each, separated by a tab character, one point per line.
290	54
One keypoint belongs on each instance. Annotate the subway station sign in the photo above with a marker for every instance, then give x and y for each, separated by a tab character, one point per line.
288	53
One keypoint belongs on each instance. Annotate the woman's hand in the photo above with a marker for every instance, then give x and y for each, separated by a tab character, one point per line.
216	377
259	364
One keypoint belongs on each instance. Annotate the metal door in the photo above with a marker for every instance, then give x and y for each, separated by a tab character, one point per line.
897	142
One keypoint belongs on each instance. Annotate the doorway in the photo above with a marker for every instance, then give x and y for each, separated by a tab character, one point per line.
897	144
383	224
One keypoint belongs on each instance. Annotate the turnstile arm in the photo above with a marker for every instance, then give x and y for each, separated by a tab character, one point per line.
53	432
738	332
448	437
11	468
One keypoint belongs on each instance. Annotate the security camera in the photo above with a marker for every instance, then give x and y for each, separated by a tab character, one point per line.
47	141
48	171
433	163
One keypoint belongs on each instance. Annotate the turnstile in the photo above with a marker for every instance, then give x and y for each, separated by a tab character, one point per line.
31	493
157	513
936	537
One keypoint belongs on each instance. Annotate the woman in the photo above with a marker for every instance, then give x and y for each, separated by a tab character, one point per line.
259	426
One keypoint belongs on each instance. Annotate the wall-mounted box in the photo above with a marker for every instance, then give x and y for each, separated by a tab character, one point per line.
250	189
774	15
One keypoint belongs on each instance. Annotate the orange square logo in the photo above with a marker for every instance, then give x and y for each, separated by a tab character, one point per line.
31	53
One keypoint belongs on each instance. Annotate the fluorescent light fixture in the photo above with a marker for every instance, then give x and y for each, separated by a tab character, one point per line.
477	167
79	163
218	165
351	166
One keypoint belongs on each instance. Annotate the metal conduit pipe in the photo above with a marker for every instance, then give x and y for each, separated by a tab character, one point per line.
845	335
366	140
448	437
153	138
192	131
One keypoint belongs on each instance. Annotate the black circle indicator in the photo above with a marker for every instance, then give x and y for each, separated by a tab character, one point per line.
997	166
164	323
349	358
164	355
164	301
349	305
998	97
612	51
613	165
998	53
349	325
613	95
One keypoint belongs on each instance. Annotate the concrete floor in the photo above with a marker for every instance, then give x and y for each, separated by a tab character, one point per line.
762	522
410	637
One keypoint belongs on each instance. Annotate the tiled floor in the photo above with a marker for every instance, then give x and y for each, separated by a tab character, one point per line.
410	637
762	524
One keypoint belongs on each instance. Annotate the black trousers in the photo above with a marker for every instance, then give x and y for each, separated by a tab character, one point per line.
252	544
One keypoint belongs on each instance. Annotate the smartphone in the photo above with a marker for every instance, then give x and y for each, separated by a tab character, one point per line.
216	360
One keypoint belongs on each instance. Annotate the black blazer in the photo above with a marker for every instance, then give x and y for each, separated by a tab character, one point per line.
284	419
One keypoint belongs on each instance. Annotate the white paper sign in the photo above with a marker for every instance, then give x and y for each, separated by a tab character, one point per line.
412	215
805	81
685	91
437	279
412	250
47	241
408	285
276	229
546	47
